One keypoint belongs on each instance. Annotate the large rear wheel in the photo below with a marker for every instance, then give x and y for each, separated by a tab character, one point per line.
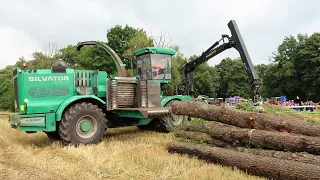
168	123
53	135
83	123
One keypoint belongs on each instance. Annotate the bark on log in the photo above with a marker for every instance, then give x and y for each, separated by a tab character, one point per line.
299	156
199	137
258	165
244	119
261	138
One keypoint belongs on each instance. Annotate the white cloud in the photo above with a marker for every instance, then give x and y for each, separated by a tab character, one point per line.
15	44
193	25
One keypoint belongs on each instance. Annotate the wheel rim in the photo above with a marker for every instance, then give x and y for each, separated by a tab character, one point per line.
177	120
86	126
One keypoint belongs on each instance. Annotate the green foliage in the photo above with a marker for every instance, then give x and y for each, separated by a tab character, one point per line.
6	89
138	41
281	76
246	106
206	77
233	78
131	73
198	121
294	69
125	40
118	38
89	57
206	80
200	99
261	70
307	66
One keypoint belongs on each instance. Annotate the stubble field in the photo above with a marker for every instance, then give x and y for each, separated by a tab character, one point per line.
125	153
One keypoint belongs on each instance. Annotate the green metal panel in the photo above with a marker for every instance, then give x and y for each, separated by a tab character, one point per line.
42	91
31	122
20	108
86	80
144	121
24	123
129	114
72	99
95	82
158	50
166	99
50	122
43	125
15	118
102	83
30	129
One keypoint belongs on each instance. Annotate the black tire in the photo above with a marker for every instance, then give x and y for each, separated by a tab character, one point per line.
144	127
53	135
168	123
85	115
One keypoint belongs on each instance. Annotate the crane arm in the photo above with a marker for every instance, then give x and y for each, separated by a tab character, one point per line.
235	41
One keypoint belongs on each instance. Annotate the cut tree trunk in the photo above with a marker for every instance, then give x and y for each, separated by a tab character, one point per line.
260	138
254	164
198	137
244	119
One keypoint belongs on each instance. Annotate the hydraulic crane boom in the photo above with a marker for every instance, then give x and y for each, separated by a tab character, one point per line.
235	41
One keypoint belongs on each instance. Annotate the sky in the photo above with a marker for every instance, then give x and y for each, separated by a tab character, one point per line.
26	26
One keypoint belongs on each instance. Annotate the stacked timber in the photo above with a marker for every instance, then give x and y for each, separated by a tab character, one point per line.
257	143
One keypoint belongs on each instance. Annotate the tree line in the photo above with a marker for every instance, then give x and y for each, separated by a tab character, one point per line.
293	69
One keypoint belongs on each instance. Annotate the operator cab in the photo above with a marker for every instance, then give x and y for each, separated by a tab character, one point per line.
154	63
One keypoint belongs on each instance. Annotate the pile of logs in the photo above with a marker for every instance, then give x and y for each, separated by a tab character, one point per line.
258	143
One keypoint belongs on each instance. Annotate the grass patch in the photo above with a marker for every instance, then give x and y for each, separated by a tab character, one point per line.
279	111
197	121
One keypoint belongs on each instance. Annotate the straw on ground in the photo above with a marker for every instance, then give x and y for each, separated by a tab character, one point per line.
125	153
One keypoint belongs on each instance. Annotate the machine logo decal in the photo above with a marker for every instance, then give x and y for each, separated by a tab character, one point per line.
49	78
